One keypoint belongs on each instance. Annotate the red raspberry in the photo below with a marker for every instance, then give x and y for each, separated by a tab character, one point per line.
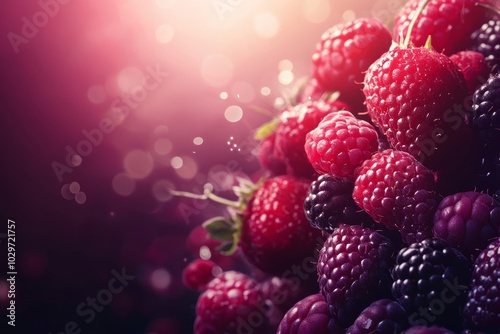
399	192
473	66
353	270
276	234
340	143
198	273
467	221
416	97
268	159
294	124
448	22
230	304
344	53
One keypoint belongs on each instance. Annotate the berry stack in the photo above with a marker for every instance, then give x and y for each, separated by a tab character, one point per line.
379	210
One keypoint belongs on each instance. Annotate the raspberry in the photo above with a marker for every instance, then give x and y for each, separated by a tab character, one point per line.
398	192
280	295
294	124
344	53
486	110
330	203
230	303
486	40
268	159
353	270
429	279
384	316
275	232
482	309
340	143
448	22
467	221
198	273
309	316
414	115
473	67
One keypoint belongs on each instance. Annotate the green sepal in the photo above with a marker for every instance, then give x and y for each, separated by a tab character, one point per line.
266	129
229	247
220	228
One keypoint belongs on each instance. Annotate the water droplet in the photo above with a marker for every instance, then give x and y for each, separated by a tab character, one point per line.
198	141
176	162
138	164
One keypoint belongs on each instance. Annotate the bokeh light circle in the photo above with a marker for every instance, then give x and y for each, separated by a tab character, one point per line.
198	141
161	190
163	146
233	114
176	162
80	197
189	168
138	164
266	25
161	279
123	184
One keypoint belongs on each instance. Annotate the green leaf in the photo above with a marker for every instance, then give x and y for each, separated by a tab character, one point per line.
220	228
266	129
227	248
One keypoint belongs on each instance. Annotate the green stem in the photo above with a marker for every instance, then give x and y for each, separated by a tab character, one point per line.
413	22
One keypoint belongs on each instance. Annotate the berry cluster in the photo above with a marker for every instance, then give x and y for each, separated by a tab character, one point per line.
379	211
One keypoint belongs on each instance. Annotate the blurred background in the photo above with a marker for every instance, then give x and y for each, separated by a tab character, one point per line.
106	104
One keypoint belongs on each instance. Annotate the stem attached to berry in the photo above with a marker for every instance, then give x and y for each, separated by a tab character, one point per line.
406	42
207	194
488	7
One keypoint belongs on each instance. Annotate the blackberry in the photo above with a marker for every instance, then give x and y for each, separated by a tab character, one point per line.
330	203
488	174
429	282
427	330
467	221
384	316
486	110
486	40
482	309
309	316
354	270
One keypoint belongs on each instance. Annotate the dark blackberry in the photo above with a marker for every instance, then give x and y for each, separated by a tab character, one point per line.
488	174
330	203
467	221
482	309
354	270
486	40
429	282
384	316
309	316
427	330
485	118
